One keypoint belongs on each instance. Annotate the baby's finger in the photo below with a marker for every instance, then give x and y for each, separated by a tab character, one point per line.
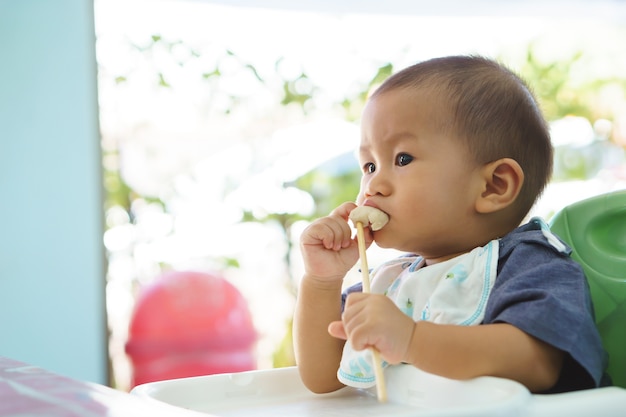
344	210
341	232
337	330
321	232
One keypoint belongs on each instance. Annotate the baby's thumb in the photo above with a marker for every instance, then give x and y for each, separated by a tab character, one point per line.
337	330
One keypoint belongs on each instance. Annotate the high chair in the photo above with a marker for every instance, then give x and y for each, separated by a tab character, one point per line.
595	229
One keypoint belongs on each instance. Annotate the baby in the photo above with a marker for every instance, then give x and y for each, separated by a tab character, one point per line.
455	151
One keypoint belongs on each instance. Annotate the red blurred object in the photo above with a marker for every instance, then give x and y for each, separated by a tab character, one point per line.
190	324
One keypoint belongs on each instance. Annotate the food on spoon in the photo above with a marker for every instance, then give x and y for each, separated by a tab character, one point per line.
369	215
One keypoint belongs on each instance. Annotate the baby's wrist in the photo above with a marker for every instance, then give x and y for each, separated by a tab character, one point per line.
410	355
323	283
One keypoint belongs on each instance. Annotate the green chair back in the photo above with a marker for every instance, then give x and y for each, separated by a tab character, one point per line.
595	229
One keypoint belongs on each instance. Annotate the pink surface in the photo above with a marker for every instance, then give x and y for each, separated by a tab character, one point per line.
26	390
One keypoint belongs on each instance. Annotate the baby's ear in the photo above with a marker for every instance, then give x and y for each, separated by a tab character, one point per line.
502	183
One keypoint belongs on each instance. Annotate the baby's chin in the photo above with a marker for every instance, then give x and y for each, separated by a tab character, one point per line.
381	240
386	241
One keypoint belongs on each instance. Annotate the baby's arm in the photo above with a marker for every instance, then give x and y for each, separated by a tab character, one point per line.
459	352
328	251
498	349
317	353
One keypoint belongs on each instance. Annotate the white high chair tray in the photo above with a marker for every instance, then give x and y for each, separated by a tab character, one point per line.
280	392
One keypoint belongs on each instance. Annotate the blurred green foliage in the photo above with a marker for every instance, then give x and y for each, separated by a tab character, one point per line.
559	97
328	186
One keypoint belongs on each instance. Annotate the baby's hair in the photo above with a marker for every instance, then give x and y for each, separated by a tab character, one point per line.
492	109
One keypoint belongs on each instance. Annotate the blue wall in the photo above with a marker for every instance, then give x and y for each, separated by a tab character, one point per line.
52	311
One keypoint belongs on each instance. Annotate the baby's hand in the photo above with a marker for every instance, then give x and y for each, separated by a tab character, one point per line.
328	248
374	321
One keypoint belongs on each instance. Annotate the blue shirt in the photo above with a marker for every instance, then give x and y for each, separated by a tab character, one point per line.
544	293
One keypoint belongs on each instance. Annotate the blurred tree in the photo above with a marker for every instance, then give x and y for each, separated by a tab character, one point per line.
559	94
336	181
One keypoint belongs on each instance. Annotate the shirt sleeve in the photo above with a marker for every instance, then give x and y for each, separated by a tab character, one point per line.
545	294
358	287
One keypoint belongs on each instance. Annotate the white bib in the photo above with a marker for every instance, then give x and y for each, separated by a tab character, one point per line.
451	292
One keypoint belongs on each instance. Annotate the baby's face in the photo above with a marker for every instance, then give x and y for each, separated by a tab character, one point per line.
424	179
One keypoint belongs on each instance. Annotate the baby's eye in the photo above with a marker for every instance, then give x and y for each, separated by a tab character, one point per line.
369	167
403	159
